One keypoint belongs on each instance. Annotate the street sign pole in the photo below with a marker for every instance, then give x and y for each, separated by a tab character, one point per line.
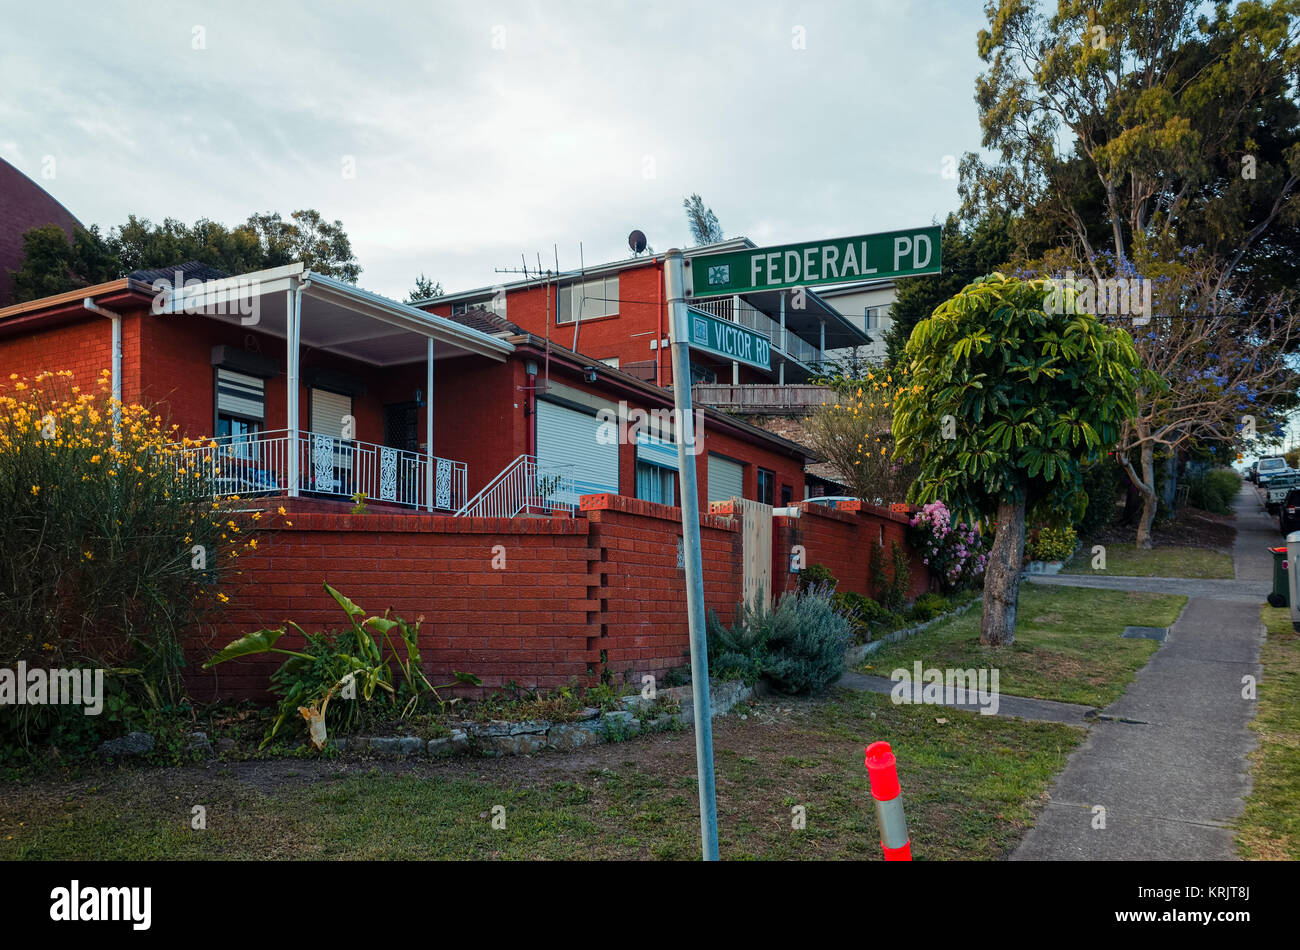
675	292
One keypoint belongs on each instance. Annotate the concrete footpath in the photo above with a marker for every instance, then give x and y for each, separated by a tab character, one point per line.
1173	777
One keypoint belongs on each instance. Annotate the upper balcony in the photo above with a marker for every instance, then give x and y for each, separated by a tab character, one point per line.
799	349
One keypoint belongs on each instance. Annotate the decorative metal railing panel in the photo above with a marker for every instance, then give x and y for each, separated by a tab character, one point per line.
258	464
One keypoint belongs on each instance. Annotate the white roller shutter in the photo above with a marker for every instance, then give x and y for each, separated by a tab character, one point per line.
726	479
327	412
241	395
568	437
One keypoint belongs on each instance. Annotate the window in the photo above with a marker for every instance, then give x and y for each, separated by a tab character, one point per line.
610	361
496	303
241	407
787	495
766	483
656	483
585	301
874	315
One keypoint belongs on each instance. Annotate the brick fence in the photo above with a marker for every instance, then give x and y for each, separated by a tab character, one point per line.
536	601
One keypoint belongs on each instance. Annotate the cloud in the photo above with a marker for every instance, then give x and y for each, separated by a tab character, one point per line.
483	131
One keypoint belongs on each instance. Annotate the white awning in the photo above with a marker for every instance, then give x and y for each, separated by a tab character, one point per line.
336	317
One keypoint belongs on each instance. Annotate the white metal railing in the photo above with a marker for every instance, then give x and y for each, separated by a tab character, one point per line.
747	315
524	487
258	464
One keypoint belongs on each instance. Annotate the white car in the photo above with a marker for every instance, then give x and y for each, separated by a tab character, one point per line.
1267	467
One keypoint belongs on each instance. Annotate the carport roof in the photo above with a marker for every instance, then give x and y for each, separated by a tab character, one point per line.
337	317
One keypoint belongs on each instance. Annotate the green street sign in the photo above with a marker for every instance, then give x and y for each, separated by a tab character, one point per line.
728	340
836	261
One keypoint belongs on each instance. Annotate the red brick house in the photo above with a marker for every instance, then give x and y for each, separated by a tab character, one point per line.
286	358
615	313
462	433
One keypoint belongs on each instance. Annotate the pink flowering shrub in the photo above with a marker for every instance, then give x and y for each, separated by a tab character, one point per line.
955	553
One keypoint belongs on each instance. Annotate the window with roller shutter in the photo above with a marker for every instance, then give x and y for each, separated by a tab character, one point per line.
726	478
568	437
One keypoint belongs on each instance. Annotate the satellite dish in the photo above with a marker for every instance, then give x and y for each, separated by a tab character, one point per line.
636	241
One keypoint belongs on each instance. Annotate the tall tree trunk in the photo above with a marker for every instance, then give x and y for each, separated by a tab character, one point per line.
1147	488
1002	576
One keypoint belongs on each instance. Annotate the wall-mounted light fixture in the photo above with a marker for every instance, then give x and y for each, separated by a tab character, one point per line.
419	398
589	373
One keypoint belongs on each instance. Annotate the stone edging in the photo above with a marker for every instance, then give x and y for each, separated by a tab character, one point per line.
500	737
855	654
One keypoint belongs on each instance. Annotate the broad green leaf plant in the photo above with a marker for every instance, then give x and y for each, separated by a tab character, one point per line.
364	668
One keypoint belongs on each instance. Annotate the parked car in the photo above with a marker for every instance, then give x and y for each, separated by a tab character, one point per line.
1288	515
1268	467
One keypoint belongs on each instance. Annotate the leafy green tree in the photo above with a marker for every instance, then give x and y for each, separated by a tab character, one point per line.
1140	126
703	222
968	253
1006	402
322	245
52	264
424	289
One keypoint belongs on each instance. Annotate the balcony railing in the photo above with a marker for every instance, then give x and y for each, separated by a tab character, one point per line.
258	464
525	487
747	315
761	397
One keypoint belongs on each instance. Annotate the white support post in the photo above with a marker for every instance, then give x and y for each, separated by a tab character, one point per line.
429	473
291	303
781	371
821	343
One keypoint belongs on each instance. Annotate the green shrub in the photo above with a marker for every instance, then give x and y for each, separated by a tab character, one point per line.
1102	482
891	593
1054	544
806	643
866	615
1214	490
927	607
815	575
737	652
353	665
798	646
108	555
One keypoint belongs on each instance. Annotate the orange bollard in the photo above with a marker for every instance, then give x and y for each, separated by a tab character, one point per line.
882	769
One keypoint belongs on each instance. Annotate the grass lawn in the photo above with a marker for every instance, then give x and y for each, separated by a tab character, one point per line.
1067	643
1269	828
972	786
1127	560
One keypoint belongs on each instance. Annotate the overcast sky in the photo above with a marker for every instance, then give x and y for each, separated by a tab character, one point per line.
480	131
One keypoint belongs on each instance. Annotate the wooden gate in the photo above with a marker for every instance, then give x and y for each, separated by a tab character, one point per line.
756	537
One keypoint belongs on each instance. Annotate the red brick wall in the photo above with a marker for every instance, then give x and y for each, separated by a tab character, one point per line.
532	622
842	541
578	596
643	591
83	346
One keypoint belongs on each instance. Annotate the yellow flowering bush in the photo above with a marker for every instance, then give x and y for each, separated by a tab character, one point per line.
112	546
853	433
